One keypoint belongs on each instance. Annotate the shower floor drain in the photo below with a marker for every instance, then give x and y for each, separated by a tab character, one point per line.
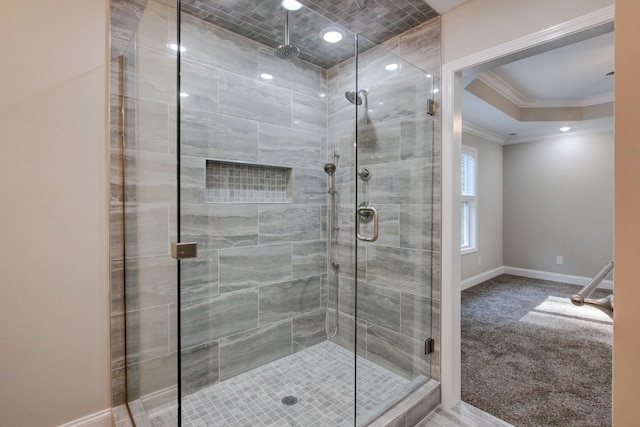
289	400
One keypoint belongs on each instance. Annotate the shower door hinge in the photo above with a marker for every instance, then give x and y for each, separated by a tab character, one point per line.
429	346
184	250
431	107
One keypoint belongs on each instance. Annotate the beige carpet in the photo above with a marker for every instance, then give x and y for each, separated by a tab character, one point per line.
532	358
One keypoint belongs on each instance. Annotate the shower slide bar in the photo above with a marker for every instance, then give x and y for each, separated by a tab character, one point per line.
605	304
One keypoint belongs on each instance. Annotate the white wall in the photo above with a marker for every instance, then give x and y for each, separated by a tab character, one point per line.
54	320
558	200
482	24
489	209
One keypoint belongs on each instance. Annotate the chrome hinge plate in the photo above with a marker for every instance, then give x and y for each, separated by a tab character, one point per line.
429	346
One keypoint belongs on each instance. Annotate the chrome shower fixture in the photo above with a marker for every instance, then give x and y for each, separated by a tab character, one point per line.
286	51
330	169
356	99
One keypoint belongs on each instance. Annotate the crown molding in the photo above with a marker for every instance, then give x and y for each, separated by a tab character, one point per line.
509	92
483	133
562	135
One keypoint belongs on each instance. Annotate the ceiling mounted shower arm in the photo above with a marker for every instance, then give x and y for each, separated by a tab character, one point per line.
286	51
286	27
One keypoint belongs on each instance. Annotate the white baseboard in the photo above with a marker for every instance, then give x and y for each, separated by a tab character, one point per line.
533	274
98	419
482	277
556	277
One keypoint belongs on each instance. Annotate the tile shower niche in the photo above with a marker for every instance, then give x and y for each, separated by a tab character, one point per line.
228	182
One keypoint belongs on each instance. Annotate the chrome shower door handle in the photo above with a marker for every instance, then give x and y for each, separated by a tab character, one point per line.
365	211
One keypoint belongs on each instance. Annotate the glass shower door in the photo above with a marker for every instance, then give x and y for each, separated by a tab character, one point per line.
394	170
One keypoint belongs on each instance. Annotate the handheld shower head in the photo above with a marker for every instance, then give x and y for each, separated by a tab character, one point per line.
330	168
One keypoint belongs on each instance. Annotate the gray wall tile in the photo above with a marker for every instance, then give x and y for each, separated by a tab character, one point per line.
216	136
416	137
150	178
378	305
416	226
289	223
153	28
199	276
379	142
192	180
147	334
402	269
295	74
254	100
309	258
308	329
213	46
200	82
156	75
421	46
406	182
117	341
287	147
250	267
346	333
146	230
150	281
289	299
199	367
310	112
416	315
151	376
396	352
218	226
243	352
310	185
209	319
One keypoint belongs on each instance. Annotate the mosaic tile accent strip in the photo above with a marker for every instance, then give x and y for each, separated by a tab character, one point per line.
321	377
245	183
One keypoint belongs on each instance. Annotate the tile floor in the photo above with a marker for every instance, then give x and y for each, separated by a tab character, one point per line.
321	377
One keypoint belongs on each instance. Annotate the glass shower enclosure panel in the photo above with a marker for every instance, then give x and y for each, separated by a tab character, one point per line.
395	166
146	155
260	337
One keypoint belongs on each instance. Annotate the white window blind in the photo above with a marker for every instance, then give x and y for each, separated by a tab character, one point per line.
468	191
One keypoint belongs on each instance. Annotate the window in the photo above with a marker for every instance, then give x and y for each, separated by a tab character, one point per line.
469	180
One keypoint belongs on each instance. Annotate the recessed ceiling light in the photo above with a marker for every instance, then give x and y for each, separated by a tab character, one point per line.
174	47
322	95
429	76
565	129
291	4
332	34
184	95
436	90
266	76
391	67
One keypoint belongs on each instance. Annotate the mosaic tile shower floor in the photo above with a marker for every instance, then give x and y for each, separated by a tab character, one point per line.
321	377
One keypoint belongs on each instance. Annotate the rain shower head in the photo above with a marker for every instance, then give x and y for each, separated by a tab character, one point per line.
286	51
356	98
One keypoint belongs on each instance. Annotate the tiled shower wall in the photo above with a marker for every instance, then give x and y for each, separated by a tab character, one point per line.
232	115
264	262
398	276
